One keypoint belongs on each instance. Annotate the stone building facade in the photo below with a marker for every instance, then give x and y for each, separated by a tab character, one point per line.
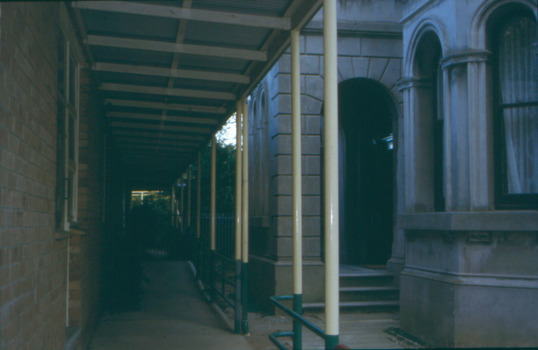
438	154
471	259
462	207
370	59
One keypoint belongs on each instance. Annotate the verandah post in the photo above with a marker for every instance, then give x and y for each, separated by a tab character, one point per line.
198	213
244	217
238	221
189	180
213	210
296	188
331	225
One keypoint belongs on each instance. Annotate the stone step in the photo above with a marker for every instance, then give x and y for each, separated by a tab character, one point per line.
369	293
366	306
377	278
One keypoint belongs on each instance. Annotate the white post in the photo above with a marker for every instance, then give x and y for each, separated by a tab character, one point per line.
296	162
238	180
244	205
173	205
331	174
189	178
238	221
297	228
213	209
244	218
213	203
181	206
198	194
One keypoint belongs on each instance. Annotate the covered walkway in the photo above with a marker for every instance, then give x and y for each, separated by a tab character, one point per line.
173	315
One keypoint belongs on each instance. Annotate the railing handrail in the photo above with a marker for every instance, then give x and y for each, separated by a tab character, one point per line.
312	327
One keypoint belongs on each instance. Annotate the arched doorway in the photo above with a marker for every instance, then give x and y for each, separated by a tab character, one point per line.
366	144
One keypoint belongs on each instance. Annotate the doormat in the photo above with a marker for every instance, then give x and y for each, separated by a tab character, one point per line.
405	339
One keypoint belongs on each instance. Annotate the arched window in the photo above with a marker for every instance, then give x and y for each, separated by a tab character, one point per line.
512	40
429	120
259	158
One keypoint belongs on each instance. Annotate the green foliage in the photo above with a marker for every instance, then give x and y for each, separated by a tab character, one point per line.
225	179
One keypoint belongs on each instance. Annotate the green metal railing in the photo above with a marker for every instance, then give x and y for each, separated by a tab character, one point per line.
217	269
223	284
298	322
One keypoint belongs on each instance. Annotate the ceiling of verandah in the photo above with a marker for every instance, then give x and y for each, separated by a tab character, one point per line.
170	72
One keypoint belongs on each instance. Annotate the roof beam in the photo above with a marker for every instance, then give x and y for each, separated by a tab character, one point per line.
158	117
214	95
185	13
150	141
151	45
168	106
172	73
150	149
154	158
159	127
158	134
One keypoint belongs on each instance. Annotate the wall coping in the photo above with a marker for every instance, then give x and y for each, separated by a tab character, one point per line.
471	221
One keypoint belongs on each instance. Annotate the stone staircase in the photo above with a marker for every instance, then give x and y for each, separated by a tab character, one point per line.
364	289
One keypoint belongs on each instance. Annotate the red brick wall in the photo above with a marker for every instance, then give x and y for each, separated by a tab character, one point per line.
85	251
32	261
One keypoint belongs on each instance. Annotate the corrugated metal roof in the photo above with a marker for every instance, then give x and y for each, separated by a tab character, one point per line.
170	72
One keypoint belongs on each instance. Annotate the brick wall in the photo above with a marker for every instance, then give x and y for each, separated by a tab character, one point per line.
33	257
32	261
84	250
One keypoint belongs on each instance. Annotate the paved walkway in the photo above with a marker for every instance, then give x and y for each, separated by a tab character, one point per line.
173	316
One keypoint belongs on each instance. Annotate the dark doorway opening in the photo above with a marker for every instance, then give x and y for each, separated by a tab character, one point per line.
366	172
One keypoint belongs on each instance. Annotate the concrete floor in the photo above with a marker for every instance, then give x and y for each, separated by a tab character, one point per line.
173	315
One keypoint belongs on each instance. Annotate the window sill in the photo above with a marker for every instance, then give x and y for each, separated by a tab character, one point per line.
524	220
60	235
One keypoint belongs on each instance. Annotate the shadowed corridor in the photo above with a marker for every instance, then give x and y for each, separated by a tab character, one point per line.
172	315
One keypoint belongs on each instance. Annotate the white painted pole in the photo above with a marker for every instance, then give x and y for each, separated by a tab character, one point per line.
173	205
238	180
213	209
238	221
296	164
213	203
296	154
181	204
198	194
331	229
244	216
189	181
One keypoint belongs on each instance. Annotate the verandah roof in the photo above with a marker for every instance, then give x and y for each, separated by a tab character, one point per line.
170	72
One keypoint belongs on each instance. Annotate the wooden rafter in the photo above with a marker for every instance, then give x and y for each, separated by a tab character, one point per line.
159	127
186	13
172	73
152	45
159	117
167	134
153	90
168	106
